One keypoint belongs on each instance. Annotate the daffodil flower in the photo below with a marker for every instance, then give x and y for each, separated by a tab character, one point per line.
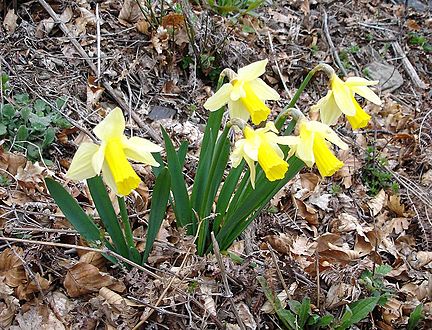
261	145
111	156
340	99
245	94
311	146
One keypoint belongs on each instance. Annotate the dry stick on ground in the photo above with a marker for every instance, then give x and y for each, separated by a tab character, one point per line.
105	83
228	292
277	65
409	68
333	50
217	322
275	261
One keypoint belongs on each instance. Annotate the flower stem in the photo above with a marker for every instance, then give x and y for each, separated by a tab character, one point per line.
125	221
280	120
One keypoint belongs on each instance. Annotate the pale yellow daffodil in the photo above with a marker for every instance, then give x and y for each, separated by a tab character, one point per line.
340	99
311	146
261	145
245	94
111	156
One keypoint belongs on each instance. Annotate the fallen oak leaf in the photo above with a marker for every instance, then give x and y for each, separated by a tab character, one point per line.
84	278
11	267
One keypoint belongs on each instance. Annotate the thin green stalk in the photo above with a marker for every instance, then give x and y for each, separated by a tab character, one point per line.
280	120
126	223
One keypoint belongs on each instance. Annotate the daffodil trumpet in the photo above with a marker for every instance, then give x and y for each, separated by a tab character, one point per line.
262	146
112	155
312	146
245	94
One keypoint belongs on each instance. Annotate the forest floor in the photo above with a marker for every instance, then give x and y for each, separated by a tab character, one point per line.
364	232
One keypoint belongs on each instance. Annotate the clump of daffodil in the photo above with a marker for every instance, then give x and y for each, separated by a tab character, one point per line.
340	99
111	156
312	146
261	146
245	94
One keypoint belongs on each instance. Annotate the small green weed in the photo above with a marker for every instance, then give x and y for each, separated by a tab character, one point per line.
4	181
375	284
233	7
30	125
417	39
314	49
353	49
335	189
298	315
366	72
343	55
415	317
374	176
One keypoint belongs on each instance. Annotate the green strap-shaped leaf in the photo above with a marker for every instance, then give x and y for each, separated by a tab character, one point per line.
182	207
73	212
159	202
251	204
226	195
357	311
107	214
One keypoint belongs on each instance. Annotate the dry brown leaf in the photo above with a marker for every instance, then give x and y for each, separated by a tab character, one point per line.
85	278
339	294
327	248
321	200
32	177
175	20
309	181
10	21
303	246
394	204
11	267
246	316
280	243
8	304
11	162
209	302
398	225
94	92
60	303
377	203
122	305
160	40
412	25
24	291
307	212
37	317
392	310
142	26
130	12
421	259
93	258
45	26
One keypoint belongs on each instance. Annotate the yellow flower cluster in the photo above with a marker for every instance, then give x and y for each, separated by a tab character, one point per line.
245	96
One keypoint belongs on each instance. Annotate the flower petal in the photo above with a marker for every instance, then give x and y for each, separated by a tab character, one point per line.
113	125
252	71
108	178
304	149
359	81
81	167
326	161
237	90
343	96
139	150
367	93
220	98
252	168
251	150
99	158
329	110
262	90
238	110
360	119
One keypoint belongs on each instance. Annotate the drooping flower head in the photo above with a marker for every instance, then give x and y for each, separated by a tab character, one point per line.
111	156
340	99
245	94
312	146
261	146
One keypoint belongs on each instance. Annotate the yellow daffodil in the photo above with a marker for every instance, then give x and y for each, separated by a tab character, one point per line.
111	157
311	146
245	94
261	145
340	99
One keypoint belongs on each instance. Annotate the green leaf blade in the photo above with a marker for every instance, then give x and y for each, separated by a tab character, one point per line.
73	212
